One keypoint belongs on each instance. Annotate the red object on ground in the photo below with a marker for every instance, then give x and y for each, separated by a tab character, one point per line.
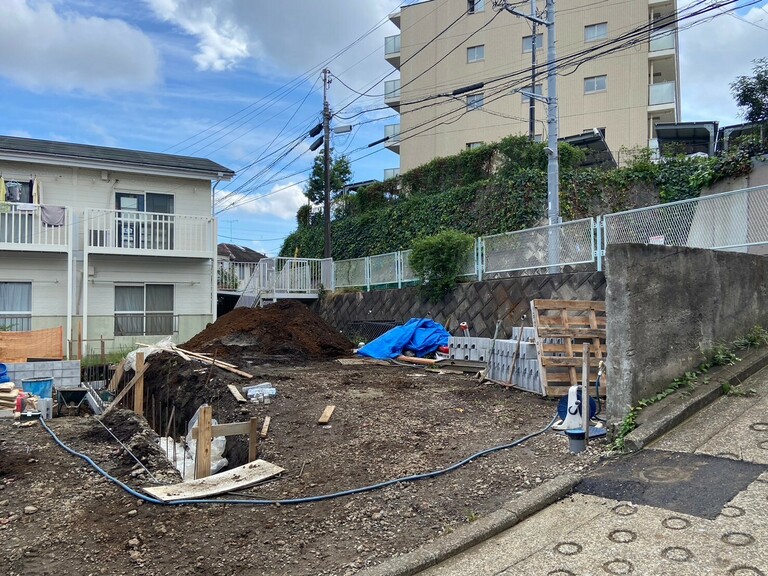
20	402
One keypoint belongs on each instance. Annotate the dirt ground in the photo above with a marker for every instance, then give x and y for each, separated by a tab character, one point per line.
58	516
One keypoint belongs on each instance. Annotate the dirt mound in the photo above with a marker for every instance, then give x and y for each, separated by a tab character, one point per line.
283	329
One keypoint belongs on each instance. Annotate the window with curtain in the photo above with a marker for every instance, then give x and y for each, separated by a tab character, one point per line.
144	310
15	306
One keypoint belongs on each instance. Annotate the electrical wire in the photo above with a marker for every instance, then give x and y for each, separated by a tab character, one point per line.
303	500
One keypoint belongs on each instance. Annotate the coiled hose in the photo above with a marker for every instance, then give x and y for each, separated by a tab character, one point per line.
307	499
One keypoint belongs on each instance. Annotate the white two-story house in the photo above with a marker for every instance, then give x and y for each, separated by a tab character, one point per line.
113	245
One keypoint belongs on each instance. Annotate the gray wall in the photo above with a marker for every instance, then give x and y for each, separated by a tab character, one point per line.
479	304
65	373
666	306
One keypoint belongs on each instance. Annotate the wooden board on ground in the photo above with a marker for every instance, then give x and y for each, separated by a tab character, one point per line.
265	427
562	327
325	417
358	361
236	393
235	479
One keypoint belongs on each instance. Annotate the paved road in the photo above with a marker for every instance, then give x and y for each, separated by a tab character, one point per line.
694	503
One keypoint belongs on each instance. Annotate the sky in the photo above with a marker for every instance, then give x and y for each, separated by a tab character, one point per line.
241	85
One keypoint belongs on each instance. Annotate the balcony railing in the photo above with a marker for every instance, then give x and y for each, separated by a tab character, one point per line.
392	89
149	233
392	45
34	227
662	40
234	276
392	131
661	93
391	173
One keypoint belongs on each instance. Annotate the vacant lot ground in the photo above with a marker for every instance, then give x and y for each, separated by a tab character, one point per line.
58	516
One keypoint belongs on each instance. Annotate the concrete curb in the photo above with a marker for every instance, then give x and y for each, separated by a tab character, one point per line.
658	419
470	535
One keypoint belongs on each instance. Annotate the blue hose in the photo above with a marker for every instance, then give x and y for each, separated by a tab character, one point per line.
304	500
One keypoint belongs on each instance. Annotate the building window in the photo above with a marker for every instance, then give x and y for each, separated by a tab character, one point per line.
15	306
595	32
595	84
475	6
476	53
528	42
473	145
144	310
474	101
539	91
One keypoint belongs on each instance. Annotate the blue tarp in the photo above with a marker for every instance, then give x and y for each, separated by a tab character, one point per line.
420	335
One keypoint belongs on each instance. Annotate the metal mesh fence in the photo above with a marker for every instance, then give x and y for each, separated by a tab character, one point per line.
366	330
383	269
728	221
407	272
349	273
559	245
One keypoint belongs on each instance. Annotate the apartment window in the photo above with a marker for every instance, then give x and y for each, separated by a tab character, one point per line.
145	310
595	84
135	229
476	53
473	145
595	32
538	91
474	101
528	42
15	306
475	6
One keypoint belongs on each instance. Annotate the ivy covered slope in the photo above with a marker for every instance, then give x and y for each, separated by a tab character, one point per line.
497	188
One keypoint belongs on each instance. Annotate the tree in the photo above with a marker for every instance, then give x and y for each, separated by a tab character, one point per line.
751	92
341	174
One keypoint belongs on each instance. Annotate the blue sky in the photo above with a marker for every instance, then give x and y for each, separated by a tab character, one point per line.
238	81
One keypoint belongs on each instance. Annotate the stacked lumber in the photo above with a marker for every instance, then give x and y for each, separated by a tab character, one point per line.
205	359
8	396
562	327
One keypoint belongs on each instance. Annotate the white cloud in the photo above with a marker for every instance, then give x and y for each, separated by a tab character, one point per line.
712	55
46	49
287	37
282	201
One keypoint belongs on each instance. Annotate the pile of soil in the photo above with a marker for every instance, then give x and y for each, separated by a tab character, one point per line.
284	329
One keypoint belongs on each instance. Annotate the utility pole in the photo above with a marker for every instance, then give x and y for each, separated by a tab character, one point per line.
327	164
532	100
553	164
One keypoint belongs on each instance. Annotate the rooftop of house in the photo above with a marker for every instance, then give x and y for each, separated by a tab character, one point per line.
86	155
239	253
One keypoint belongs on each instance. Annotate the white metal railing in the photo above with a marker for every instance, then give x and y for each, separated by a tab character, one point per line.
392	89
34	227
147	232
563	244
392	45
661	93
234	276
662	40
729	221
286	277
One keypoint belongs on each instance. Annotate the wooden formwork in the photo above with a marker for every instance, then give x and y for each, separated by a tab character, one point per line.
571	323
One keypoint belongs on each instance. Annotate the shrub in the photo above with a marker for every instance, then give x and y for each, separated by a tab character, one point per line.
439	260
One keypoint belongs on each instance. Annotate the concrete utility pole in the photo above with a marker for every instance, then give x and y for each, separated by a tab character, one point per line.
532	100
553	165
327	164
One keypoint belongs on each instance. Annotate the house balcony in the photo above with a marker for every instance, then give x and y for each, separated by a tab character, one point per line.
662	96
662	43
34	228
233	277
395	18
392	131
392	94
391	173
392	50
148	234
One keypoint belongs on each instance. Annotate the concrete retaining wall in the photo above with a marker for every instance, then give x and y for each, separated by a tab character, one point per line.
480	304
65	374
667	306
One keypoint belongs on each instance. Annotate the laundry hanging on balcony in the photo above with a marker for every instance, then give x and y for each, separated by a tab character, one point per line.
52	215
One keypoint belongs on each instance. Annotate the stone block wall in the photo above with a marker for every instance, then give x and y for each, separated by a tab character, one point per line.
65	373
479	304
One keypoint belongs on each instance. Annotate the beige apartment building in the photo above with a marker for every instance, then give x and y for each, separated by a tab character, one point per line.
445	45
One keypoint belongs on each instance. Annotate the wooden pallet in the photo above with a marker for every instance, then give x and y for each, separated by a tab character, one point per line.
570	323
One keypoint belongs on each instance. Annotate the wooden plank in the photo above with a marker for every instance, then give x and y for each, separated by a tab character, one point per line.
565	362
265	427
230	429
236	393
125	390
235	479
203	448
325	417
253	439
543	304
138	393
414	360
552	332
117	376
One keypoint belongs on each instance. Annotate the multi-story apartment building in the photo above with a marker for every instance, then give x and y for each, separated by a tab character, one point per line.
112	245
445	45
